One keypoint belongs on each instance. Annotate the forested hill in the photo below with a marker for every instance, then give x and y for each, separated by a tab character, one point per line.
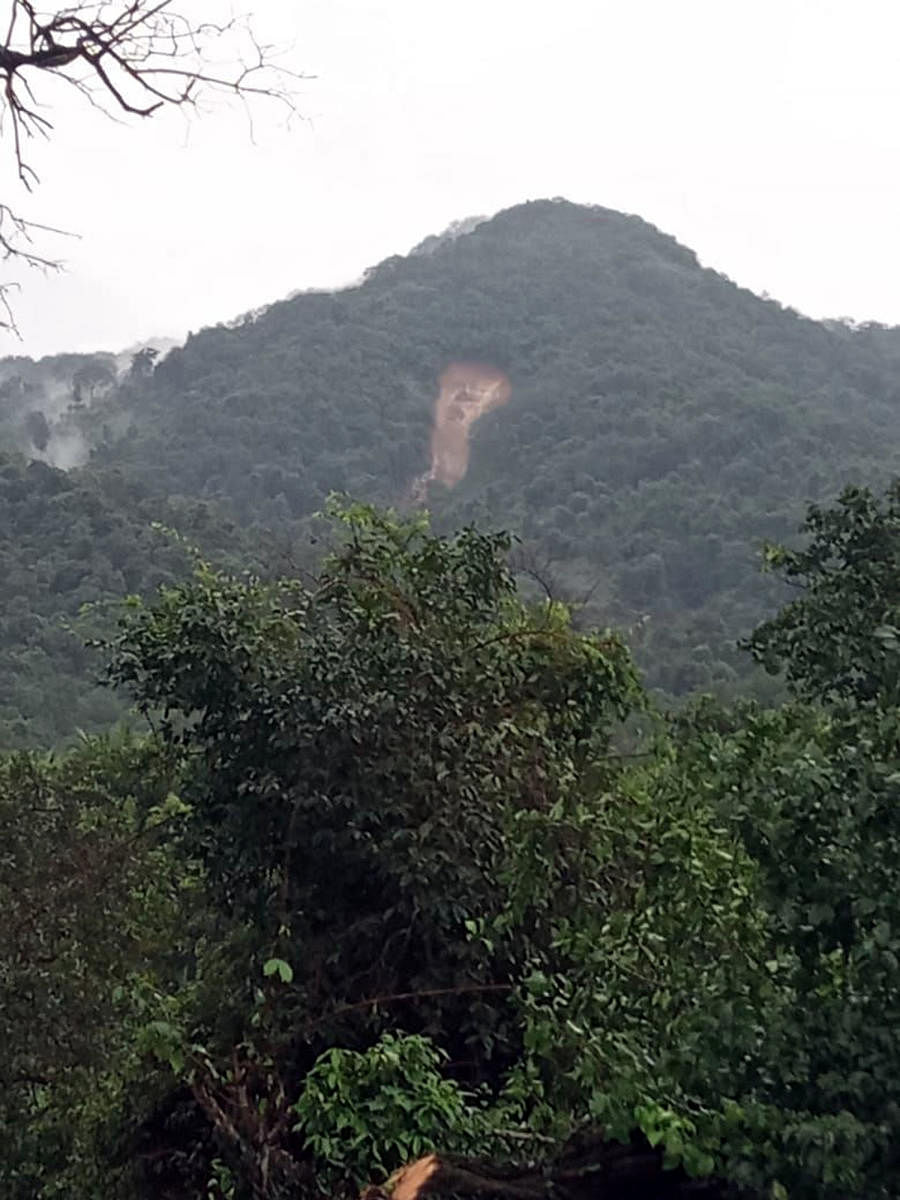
660	423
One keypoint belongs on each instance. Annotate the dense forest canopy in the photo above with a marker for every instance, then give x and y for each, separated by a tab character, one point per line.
410	865
661	424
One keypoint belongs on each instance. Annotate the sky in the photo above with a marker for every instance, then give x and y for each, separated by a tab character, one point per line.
764	134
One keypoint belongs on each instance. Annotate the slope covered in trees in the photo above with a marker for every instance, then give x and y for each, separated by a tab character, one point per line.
661	422
72	545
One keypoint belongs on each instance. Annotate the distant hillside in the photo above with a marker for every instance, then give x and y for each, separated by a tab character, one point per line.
71	546
41	402
659	423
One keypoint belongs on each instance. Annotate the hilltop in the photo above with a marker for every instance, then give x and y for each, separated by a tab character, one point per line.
657	421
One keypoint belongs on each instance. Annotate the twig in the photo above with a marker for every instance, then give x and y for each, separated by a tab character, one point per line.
398	997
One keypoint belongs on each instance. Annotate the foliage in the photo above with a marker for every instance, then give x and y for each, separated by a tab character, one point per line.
363	748
411	865
93	894
363	1114
840	639
812	790
406	782
70	548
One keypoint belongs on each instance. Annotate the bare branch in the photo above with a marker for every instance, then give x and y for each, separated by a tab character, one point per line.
465	989
17	242
128	57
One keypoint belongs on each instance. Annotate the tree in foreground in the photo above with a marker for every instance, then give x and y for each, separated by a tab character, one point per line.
813	790
453	890
461	919
93	894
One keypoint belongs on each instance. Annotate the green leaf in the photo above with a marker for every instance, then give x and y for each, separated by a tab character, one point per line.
278	966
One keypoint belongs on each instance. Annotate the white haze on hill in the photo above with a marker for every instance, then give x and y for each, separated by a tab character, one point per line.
763	134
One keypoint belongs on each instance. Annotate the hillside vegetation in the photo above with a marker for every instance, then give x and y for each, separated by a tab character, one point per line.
409	866
661	423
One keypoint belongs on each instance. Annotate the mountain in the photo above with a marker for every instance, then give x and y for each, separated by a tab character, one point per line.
567	372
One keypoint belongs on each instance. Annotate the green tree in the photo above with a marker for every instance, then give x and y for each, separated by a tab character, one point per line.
406	791
364	746
839	640
813	790
95	899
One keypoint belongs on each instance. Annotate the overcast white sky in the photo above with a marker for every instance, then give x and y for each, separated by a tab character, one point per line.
765	134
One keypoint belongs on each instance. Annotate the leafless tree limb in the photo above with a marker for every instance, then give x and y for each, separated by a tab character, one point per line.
130	58
17	242
531	564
